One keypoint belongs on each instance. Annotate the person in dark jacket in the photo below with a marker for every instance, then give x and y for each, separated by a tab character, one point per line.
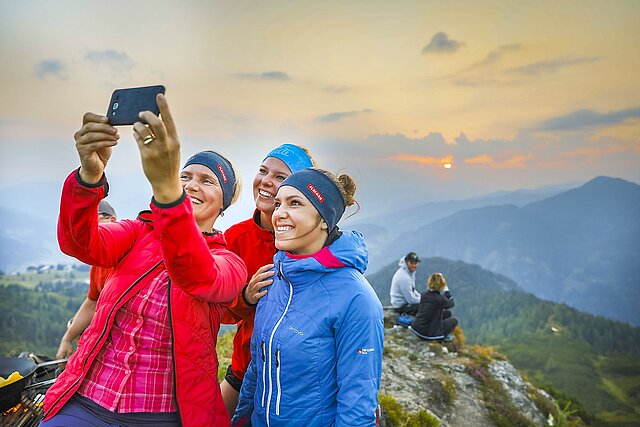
316	349
434	320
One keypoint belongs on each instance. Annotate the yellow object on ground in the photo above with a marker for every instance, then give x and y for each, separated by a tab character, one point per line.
15	376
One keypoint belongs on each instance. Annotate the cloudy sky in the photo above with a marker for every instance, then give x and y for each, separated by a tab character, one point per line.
511	94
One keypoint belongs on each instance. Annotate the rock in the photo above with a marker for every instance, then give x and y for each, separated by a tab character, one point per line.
429	376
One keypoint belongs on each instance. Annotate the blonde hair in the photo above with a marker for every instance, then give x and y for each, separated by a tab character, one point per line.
237	190
308	153
436	282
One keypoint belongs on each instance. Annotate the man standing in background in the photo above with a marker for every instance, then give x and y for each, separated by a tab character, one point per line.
97	277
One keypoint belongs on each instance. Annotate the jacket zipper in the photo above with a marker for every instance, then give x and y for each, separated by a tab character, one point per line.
104	330
278	381
273	332
264	371
173	352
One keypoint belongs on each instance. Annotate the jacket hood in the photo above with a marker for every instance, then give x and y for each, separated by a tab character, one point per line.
348	250
403	265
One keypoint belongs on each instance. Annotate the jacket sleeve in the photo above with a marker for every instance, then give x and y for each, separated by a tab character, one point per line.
359	345
408	291
244	410
238	310
445	301
214	276
79	234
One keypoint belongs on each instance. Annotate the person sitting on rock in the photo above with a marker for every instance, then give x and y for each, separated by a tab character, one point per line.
404	297
434	320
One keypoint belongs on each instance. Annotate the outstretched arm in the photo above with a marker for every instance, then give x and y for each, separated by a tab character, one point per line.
215	277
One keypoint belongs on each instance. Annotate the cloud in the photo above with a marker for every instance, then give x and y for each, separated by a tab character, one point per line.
422	160
279	76
514	162
337	89
51	67
495	56
585	118
334	117
441	43
485	72
117	62
551	66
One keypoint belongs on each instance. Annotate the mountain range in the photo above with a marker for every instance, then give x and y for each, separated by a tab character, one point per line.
570	243
580	246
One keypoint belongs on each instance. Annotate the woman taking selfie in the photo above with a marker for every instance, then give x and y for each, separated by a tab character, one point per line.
253	241
318	333
148	357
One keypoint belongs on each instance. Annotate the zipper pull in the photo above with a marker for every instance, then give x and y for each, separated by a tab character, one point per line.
264	356
280	270
277	357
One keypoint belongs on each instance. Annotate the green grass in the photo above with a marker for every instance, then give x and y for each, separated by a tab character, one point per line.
224	348
397	416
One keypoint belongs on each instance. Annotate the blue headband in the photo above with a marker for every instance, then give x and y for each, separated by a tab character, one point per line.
221	167
321	191
293	156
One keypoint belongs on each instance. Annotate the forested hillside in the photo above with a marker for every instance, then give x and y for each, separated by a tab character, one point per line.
35	308
595	360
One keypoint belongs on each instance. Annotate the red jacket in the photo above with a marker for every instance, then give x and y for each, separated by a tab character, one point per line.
203	278
256	246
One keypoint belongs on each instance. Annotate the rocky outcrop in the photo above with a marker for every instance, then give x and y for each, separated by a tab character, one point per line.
456	386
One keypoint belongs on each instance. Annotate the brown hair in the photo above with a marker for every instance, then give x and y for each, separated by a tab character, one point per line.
347	187
436	282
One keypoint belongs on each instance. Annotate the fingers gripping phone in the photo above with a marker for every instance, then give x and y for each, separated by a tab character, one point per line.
126	104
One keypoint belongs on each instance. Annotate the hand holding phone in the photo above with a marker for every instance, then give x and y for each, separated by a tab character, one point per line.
126	104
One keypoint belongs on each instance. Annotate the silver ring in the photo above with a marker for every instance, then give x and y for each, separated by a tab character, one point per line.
147	139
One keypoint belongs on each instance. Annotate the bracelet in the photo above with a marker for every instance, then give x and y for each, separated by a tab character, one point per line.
245	298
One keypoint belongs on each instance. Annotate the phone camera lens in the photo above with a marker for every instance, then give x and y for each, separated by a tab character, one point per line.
115	106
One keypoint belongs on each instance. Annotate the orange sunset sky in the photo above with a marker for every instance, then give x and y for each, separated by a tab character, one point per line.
513	94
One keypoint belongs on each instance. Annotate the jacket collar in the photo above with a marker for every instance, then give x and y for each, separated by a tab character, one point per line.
260	232
215	237
348	250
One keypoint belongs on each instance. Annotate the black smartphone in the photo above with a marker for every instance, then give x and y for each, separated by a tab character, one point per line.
126	104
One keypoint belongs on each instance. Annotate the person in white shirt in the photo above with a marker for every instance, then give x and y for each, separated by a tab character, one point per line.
404	297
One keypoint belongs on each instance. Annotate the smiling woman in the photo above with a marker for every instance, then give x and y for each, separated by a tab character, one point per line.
318	330
158	315
253	241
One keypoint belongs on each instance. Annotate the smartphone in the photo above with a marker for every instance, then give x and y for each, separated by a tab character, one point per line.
126	104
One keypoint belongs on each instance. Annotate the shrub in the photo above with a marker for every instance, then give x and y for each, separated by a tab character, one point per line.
396	416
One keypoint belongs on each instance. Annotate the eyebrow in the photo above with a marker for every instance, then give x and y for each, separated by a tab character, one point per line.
200	175
293	196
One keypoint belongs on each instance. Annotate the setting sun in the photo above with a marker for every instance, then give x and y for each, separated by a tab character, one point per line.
447	165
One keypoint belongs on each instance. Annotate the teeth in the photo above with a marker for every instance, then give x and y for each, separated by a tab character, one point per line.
284	228
196	201
265	194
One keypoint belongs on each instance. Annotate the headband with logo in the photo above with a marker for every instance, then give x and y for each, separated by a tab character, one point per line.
321	191
291	155
221	167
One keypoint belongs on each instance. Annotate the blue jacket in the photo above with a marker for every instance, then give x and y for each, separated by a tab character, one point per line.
317	342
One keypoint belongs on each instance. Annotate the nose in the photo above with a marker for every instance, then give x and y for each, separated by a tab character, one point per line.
267	181
190	185
278	213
